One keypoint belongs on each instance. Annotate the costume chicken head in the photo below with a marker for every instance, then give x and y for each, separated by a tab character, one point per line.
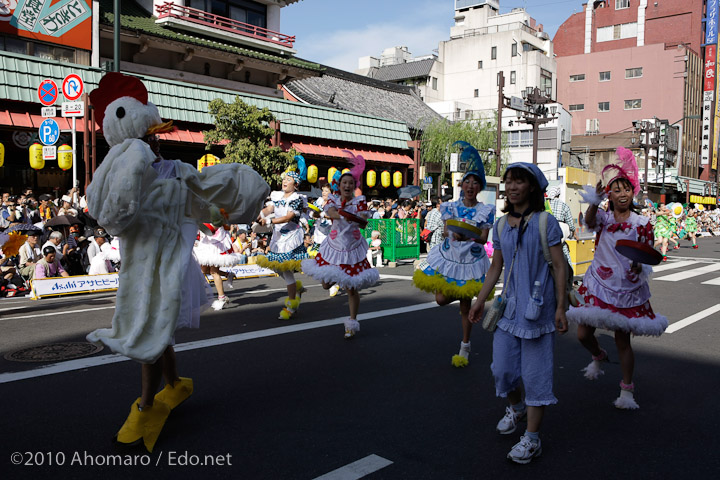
123	111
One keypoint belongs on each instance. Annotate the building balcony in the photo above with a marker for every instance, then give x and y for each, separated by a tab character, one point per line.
223	28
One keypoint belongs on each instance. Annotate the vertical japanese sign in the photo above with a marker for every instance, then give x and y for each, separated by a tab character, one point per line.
709	91
716	122
62	22
711	22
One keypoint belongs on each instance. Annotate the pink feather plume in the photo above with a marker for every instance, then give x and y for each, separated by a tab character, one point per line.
625	167
358	167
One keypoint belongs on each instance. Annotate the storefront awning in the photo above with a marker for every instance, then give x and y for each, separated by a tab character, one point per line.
28	120
182	135
328	151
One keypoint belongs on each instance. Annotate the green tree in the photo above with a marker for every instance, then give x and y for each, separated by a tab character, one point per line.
439	136
245	130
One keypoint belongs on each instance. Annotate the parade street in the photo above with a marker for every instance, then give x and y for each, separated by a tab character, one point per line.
293	400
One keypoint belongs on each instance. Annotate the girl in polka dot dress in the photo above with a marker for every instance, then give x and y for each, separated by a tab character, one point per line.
342	257
615	293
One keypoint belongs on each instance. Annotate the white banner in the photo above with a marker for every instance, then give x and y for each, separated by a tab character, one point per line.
45	287
249	271
707	118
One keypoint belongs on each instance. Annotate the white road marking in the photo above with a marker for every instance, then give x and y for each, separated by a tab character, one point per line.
90	362
361	468
672	265
674	277
692	319
714	281
395	277
52	314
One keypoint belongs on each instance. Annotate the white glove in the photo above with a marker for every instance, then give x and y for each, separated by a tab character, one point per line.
268	220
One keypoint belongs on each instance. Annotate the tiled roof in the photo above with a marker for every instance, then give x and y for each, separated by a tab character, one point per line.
134	17
356	93
402	71
20	76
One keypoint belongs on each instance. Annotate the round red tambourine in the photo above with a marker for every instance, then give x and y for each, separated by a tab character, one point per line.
353	218
638	252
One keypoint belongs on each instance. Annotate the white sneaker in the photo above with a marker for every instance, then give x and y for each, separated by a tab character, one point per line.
334	290
220	303
525	450
508	423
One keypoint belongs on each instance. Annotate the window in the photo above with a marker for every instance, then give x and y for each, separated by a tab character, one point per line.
514	50
603	106
493	53
635	104
245	11
633	72
434	83
546	84
578	107
476	93
520	138
43	50
479	64
512	77
617	32
577	78
604	76
620	4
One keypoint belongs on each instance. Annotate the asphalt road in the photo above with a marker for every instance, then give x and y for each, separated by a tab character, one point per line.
293	400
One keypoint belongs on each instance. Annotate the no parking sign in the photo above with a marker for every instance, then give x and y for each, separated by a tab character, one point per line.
47	92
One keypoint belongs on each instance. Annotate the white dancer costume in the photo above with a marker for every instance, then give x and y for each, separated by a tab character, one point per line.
342	258
215	250
286	246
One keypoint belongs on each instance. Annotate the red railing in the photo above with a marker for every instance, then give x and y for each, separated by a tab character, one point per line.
210	20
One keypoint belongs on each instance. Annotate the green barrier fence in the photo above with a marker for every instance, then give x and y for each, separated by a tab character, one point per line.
400	237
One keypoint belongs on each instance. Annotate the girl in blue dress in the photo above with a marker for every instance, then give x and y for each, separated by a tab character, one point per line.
455	269
523	341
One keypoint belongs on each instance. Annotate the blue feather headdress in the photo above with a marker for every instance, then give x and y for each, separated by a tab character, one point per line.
298	173
470	156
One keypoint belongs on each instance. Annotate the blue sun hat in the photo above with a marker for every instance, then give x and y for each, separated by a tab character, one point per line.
299	172
534	170
470	156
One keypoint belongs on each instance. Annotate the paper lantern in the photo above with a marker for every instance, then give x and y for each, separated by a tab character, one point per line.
65	157
36	156
385	179
207	160
2	154
331	174
371	178
397	179
312	174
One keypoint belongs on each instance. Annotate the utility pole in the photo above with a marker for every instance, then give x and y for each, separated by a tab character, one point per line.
501	104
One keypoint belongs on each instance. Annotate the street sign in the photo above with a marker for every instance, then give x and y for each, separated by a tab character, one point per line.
47	92
49	131
517	103
48	112
73	109
454	162
428	180
72	87
49	152
427	186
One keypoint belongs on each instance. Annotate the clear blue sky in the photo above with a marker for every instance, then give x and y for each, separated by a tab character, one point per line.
338	32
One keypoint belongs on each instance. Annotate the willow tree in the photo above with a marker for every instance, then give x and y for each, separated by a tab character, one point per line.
245	131
439	136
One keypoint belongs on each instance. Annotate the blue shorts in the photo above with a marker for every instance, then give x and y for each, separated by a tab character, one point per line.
528	360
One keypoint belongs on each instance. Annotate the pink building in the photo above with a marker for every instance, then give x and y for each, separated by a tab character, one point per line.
625	60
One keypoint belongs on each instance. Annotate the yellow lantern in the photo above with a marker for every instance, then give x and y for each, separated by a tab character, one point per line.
65	157
385	179
371	178
2	154
36	156
397	179
331	173
312	174
207	160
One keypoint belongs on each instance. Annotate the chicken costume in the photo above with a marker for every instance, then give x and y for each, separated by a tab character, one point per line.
155	206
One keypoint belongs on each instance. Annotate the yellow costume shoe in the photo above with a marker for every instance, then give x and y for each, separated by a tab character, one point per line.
143	425
462	358
174	395
291	307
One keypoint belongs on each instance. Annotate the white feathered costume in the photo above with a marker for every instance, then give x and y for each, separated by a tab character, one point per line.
156	209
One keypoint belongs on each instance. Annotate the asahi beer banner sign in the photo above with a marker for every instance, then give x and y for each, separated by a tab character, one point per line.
63	22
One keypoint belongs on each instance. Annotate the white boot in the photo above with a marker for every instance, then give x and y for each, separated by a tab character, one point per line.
626	400
593	370
352	326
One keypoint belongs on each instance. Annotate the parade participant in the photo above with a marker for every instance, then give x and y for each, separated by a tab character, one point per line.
663	229
213	250
283	212
523	340
615	292
155	205
455	269
342	258
691	227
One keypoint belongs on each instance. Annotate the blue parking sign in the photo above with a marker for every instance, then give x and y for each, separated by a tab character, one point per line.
49	131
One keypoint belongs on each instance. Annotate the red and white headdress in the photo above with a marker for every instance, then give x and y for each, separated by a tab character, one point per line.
625	167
